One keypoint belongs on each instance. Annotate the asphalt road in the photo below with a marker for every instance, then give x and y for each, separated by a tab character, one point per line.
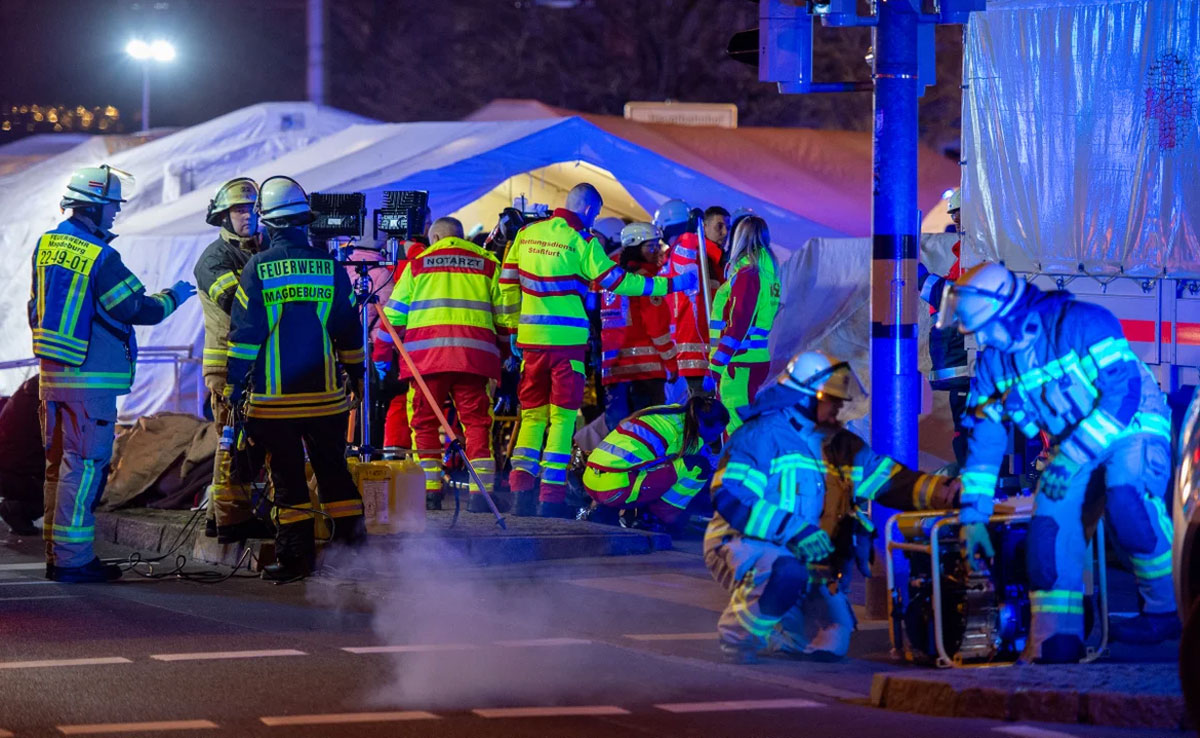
591	647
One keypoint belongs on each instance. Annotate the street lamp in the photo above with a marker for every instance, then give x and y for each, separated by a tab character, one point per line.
159	51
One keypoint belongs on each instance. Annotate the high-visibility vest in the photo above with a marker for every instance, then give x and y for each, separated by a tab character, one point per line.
635	338
645	442
751	348
690	329
445	306
546	277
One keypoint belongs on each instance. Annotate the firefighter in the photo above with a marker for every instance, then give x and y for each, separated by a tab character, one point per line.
637	353
743	313
788	496
658	458
544	283
1048	362
82	309
445	308
294	323
690	327
947	347
217	273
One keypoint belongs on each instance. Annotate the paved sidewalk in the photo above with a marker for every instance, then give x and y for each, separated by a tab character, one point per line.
476	538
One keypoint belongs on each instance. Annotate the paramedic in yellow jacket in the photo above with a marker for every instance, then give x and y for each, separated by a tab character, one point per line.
545	278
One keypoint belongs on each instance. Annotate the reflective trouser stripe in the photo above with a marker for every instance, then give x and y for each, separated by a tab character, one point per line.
432	466
343	508
294	513
1151	567
527	455
486	469
557	453
78	451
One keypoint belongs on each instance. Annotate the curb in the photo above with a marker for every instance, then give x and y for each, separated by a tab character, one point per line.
154	532
931	695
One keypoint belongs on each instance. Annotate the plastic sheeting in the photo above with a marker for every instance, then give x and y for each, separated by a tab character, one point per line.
1080	136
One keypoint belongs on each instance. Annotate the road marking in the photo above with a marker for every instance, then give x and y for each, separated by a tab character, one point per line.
347	717
545	642
707	636
63	662
412	648
98	728
782	704
37	597
22	567
211	655
1028	731
523	712
26	582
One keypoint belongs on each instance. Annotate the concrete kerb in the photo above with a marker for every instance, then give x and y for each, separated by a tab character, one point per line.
1143	695
153	532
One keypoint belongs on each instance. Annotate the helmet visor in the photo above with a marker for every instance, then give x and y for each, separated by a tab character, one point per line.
121	185
838	381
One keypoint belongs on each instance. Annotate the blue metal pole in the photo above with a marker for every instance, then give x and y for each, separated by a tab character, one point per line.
895	382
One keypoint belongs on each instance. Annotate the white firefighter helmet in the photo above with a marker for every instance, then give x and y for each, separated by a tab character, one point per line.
984	292
609	230
955	200
282	201
635	234
237	191
820	375
673	218
97	186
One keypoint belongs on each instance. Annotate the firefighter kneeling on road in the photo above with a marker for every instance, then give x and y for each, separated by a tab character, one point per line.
658	459
1048	362
445	309
217	273
788	517
294	323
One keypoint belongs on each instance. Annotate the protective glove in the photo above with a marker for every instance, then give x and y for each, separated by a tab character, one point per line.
512	343
233	394
382	368
811	544
709	384
1057	476
977	545
356	391
181	291
699	466
685	282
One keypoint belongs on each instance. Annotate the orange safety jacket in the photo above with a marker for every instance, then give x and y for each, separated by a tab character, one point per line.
690	334
635	337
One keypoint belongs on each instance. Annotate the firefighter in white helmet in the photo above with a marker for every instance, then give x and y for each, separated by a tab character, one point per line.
789	494
82	309
1048	362
217	273
293	333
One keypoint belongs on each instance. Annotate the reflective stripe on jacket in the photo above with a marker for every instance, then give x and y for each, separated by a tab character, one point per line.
635	337
781	472
1079	381
82	306
217	273
294	321
445	307
743	313
546	277
644	443
691	334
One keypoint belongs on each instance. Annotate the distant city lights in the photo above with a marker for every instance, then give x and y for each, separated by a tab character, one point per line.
20	119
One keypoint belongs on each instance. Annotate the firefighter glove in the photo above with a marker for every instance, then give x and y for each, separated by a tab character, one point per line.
181	291
234	394
811	544
512	343
356	391
977	544
709	385
946	495
1057	476
382	368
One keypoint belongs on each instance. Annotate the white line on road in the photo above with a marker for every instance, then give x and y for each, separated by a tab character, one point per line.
412	648
523	712
545	642
23	567
37	597
211	655
63	662
26	582
1028	731
98	728
706	636
348	717
782	704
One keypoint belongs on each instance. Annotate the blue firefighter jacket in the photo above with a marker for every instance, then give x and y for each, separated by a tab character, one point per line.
1078	381
293	323
83	305
781	472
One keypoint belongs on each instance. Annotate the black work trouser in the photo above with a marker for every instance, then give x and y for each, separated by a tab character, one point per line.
285	442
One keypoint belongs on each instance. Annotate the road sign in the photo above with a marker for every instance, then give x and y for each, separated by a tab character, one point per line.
719	115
